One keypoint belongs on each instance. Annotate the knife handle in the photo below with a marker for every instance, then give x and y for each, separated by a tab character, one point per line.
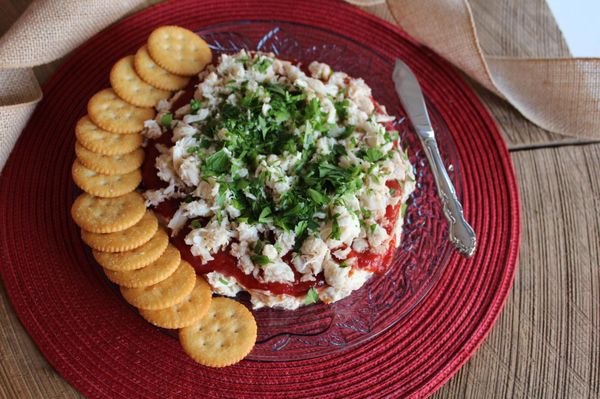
461	233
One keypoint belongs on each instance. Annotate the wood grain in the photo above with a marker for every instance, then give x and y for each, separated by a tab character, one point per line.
546	343
24	373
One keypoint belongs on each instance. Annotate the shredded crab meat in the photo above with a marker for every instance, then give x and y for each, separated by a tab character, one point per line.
274	162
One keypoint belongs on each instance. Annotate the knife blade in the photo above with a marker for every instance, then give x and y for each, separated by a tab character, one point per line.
407	86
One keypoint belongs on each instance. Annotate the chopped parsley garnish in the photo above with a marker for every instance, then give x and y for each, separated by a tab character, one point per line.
223	281
258	247
317	196
195	105
366	213
195	224
372	228
252	134
341	107
166	120
335	228
347	132
256	126
262	64
373	154
405	154
403	209
300	231
260	260
312	296
265	216
216	164
243	60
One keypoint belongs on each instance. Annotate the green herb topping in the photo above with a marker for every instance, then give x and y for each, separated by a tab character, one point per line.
312	296
282	155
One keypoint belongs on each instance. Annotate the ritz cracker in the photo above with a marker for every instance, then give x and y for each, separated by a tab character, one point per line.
126	239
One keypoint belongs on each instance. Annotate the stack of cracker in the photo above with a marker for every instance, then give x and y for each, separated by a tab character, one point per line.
125	237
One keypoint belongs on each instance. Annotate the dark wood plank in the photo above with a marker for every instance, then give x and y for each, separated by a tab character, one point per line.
546	343
24	372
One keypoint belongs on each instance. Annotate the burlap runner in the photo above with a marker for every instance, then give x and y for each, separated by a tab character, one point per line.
560	95
46	31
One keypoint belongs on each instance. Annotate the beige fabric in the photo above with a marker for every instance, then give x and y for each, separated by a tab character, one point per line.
18	98
560	95
46	31
365	2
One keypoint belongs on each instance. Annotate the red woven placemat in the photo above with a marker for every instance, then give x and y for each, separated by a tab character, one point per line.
103	349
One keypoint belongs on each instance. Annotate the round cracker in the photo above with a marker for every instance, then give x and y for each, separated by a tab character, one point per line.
107	215
106	186
167	293
158	77
100	141
178	50
136	258
131	88
124	240
185	313
224	337
109	164
109	112
154	273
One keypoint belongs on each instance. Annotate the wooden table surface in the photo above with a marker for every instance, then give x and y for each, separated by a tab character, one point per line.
546	343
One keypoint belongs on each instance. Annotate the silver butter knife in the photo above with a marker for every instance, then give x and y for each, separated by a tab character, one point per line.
411	97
